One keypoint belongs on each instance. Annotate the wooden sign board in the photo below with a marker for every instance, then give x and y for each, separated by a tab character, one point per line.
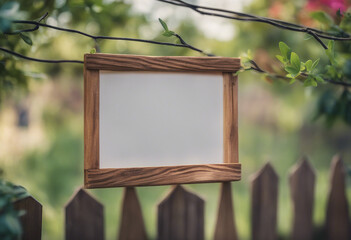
159	120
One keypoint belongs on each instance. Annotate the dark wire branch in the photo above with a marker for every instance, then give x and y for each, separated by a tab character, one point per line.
192	47
36	27
317	34
94	37
258	69
216	12
37	59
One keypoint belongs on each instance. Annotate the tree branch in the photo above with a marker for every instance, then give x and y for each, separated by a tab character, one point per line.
258	69
317	34
37	59
216	12
183	43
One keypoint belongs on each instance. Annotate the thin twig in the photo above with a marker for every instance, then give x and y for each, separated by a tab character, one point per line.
183	45
316	33
345	84
258	69
37	59
248	17
36	27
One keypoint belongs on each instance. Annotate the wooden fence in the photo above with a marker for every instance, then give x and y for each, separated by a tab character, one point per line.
181	212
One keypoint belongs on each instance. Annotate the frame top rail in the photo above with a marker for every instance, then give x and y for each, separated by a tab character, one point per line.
113	62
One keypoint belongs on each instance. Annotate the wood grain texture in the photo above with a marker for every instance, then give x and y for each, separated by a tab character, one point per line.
152	176
230	118
337	217
264	199
84	217
117	62
181	216
225	226
302	184
31	221
91	119
132	223
98	178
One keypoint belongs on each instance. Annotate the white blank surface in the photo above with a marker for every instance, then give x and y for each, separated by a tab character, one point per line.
160	119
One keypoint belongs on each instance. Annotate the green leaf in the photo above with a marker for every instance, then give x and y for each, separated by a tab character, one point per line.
292	80
164	25
293	71
26	39
310	82
285	50
319	79
295	61
168	33
13	224
93	51
314	65
281	59
331	45
308	65
307	36
330	51
323	18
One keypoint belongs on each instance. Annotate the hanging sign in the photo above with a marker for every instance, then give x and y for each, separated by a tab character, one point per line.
160	120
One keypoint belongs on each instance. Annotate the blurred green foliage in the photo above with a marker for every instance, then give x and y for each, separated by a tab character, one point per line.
274	121
10	226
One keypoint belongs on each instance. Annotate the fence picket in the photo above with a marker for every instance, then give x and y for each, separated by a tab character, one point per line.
84	217
32	219
264	199
337	218
302	182
225	226
181	216
132	223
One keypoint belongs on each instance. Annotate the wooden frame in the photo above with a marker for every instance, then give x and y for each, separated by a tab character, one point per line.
94	177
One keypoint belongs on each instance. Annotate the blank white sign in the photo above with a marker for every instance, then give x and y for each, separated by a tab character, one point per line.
160	119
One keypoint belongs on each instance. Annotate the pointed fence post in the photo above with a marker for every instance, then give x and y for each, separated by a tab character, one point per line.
132	223
31	221
181	216
264	199
225	225
84	217
302	181
337	218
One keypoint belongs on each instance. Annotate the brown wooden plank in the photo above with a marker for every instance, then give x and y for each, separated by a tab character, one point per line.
337	218
132	223
84	217
31	221
225	225
230	118
181	216
302	183
118	62
152	176
91	118
264	199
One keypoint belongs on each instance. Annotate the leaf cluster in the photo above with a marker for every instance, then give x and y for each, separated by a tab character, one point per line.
167	32
296	68
10	226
